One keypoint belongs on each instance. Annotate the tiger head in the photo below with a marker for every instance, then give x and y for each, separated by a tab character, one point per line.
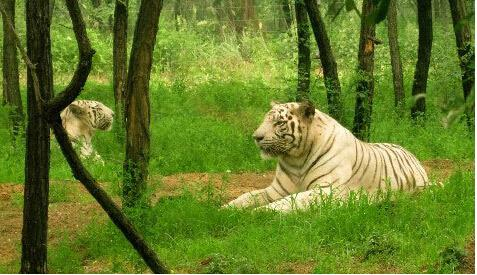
282	131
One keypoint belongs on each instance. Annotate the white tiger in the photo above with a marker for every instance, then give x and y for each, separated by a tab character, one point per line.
81	119
316	156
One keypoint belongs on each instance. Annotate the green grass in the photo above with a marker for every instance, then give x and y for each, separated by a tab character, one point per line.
411	234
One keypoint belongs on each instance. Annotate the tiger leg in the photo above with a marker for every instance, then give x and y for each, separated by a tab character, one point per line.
87	149
303	200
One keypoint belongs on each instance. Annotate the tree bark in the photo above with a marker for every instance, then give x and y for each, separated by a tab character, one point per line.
424	18
328	62
37	155
465	51
304	60
120	54
11	87
137	104
396	64
365	85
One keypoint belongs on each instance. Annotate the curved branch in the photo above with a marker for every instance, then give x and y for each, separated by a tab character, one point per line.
69	94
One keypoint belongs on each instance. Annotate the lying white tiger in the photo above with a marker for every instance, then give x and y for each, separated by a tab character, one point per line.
81	119
316	156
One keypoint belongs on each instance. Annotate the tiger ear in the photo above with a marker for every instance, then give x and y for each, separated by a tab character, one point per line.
306	109
77	110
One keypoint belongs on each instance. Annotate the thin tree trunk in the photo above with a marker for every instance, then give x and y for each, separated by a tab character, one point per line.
137	104
465	51
11	87
37	155
234	14
221	17
396	64
249	14
287	13
328	62
120	54
304	60
365	86
424	18
177	13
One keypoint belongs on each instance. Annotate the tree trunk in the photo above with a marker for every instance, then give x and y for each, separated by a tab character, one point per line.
328	62
365	85
221	17
304	61
396	64
120	53
465	50
37	155
424	18
11	87
234	13
287	13
249	14
177	13
137	104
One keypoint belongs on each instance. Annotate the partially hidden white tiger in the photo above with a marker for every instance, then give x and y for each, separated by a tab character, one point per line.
317	156
81	119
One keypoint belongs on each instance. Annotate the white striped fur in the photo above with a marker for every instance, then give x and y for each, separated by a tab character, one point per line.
316	156
81	119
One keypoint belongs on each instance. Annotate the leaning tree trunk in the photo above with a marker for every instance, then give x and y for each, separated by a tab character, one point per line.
120	56
465	50
11	87
37	155
396	64
304	61
137	103
365	85
424	18
328	62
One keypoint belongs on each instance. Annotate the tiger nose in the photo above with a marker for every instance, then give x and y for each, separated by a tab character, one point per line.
257	137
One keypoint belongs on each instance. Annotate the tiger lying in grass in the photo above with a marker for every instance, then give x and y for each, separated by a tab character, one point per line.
316	156
81	119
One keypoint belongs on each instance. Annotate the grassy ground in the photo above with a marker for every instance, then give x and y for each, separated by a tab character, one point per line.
413	234
431	232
